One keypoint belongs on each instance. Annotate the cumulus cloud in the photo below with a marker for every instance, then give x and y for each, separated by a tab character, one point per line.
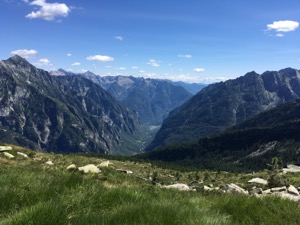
69	54
44	62
185	56
76	64
199	70
48	11
119	38
283	26
153	63
25	53
100	58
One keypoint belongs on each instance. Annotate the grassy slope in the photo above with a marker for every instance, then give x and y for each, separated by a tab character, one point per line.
34	193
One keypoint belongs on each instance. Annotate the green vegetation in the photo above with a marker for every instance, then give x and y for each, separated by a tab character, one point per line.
35	193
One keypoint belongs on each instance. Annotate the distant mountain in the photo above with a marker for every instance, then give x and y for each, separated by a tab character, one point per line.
222	105
193	88
152	99
63	113
250	145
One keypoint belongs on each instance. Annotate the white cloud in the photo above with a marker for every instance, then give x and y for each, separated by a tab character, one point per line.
121	68
76	64
199	70
135	67
153	63
48	11
119	38
69	54
185	56
44	62
280	35
100	58
283	26
25	53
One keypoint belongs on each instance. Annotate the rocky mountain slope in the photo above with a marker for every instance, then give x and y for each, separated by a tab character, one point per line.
250	145
152	99
222	105
63	113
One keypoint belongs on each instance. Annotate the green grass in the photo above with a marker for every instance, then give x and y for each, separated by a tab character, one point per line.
33	193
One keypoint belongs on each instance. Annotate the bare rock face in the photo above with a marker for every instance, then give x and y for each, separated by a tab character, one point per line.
63	113
222	105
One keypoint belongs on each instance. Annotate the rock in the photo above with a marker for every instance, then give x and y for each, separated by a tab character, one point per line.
287	196
292	190
90	168
5	148
72	167
291	169
8	155
206	188
126	171
181	187
22	154
278	189
268	191
255	191
105	164
233	188
258	181
49	163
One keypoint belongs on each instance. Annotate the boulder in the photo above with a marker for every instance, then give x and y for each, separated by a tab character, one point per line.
5	148
90	168
268	191
278	189
8	155
233	188
105	164
292	190
206	188
181	187
49	163
72	167
287	196
255	191
258	181
22	154
291	169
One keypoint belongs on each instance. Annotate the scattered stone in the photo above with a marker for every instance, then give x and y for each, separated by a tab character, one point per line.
292	190
72	167
49	163
258	181
256	191
211	185
5	148
278	189
8	155
22	154
181	187
233	188
38	159
291	169
268	191
206	188
126	171
105	164
90	168
287	196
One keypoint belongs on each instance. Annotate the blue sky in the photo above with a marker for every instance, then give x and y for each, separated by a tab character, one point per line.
192	41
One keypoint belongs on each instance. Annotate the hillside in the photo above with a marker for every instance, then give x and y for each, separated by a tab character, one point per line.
39	188
63	114
248	146
225	104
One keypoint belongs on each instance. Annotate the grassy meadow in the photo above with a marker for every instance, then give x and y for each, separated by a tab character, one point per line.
32	192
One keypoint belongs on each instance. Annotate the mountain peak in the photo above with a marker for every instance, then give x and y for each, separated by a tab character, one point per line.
17	61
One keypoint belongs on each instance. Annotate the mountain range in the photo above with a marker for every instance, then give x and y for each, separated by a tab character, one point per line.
152	99
225	104
63	113
249	146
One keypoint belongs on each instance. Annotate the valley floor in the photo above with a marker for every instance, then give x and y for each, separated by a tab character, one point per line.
35	191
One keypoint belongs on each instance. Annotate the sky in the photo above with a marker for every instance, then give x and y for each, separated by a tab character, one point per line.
191	40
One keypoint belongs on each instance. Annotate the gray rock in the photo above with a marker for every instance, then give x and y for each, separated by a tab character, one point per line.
233	188
278	189
292	190
90	168
181	187
72	167
258	181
